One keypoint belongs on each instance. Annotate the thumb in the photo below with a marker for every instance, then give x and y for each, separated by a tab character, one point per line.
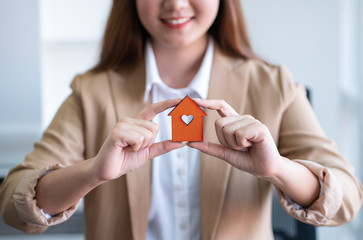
163	147
213	149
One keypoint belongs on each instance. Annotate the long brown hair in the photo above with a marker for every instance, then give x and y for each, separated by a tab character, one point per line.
124	37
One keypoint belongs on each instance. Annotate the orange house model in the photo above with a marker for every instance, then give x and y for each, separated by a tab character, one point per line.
187	121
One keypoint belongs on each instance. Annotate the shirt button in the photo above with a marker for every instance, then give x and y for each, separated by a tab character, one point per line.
183	226
178	188
179	154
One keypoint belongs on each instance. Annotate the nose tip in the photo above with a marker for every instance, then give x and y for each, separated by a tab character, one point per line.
174	4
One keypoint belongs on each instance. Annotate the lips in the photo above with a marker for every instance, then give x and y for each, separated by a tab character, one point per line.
176	23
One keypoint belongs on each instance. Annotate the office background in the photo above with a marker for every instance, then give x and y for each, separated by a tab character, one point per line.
44	43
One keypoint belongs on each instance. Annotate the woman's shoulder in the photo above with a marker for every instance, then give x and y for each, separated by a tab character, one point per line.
89	80
267	74
258	69
267	79
263	68
100	80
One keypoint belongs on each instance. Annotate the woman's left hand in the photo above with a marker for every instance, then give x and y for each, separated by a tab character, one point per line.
245	142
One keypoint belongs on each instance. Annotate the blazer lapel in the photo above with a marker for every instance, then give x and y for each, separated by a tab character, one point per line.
128	92
138	185
226	83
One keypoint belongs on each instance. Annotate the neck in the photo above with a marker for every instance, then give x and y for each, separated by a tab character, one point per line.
177	66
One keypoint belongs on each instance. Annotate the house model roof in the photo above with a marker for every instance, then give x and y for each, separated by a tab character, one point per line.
187	107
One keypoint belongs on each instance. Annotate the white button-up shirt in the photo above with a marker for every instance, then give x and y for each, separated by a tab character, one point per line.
175	200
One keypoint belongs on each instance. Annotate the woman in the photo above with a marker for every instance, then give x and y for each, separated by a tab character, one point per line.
102	138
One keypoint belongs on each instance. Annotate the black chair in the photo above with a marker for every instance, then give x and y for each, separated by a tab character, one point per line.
286	227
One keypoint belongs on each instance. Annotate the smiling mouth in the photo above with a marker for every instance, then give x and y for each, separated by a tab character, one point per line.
177	21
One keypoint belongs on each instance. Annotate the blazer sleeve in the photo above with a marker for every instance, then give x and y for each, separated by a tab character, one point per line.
302	140
62	144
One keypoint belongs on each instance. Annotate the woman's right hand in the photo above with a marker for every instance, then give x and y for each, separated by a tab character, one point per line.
131	143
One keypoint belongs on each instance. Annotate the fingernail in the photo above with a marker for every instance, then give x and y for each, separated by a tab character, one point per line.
185	143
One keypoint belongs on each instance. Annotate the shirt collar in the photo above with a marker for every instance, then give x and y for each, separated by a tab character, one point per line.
199	83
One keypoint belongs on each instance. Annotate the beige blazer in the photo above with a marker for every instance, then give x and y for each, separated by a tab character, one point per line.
234	204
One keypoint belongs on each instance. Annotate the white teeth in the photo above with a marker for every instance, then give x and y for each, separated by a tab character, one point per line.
177	21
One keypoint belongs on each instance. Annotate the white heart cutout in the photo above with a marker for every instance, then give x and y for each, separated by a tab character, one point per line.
187	119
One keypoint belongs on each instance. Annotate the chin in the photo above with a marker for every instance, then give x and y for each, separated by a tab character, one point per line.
180	42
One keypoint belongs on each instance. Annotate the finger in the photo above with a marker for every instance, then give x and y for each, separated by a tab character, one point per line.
146	129
150	126
151	111
242	140
215	150
223	108
254	133
131	139
163	147
231	125
219	126
235	158
145	133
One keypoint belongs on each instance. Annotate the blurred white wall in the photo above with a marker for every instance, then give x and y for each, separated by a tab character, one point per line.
302	34
321	43
19	66
43	45
20	81
70	37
